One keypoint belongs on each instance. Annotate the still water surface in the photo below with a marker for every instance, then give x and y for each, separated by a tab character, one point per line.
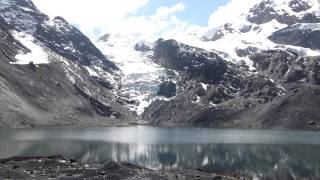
226	150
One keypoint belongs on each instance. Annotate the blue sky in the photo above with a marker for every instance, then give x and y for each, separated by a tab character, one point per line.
196	11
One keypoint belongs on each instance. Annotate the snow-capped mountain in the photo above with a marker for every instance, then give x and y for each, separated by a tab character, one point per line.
257	27
259	69
52	74
254	29
268	71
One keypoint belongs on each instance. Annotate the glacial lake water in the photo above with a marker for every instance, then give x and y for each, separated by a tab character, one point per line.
214	150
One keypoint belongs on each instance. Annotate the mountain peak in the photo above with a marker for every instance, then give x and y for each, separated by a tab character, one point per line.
23	4
284	11
263	25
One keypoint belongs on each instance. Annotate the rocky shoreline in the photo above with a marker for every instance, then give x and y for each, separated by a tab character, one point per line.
56	167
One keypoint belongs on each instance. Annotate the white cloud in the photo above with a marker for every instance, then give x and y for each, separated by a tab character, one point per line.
164	20
97	17
90	15
165	11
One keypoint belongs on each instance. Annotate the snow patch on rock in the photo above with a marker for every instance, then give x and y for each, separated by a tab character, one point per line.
37	54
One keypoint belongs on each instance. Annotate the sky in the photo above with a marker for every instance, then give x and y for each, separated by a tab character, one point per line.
195	12
146	18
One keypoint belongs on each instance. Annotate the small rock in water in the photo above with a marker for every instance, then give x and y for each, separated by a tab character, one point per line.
295	91
312	123
72	160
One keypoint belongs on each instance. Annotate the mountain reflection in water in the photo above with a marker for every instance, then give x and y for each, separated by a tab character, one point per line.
300	160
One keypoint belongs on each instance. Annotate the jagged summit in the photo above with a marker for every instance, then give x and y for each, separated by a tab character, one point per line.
257	25
22	15
23	4
285	11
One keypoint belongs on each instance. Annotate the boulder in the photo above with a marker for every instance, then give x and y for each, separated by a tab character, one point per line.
167	89
195	63
142	47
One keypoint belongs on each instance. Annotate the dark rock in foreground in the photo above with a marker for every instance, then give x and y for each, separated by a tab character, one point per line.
59	168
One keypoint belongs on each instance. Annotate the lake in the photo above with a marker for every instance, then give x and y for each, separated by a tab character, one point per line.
214	150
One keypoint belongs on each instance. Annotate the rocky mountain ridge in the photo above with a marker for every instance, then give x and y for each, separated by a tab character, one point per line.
52	75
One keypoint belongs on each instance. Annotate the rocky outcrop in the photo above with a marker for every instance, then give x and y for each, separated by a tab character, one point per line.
215	37
265	12
104	38
299	6
220	33
302	35
246	51
142	47
167	89
273	62
262	13
195	63
287	67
